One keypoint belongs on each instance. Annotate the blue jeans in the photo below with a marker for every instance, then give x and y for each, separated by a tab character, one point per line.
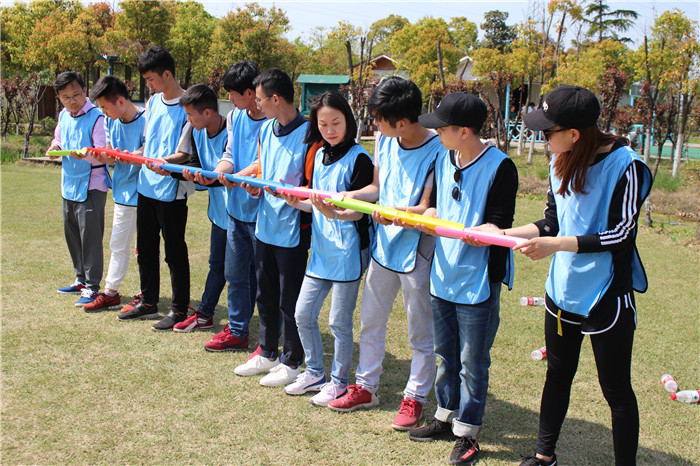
313	293
240	275
215	278
464	335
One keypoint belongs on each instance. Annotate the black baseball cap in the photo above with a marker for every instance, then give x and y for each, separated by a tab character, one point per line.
458	109
568	106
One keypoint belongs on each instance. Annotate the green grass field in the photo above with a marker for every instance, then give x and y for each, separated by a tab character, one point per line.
87	389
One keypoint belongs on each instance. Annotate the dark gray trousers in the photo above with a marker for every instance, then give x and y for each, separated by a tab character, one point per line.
84	226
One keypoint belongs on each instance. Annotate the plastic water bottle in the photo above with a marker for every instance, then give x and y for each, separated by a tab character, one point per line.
687	396
539	354
531	301
669	383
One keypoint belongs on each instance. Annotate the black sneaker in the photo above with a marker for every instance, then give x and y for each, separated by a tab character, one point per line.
141	311
465	451
431	431
532	460
167	322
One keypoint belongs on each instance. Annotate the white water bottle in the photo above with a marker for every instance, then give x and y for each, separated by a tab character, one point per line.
531	301
539	354
669	383
687	396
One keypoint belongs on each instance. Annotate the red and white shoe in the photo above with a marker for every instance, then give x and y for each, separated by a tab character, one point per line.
194	323
226	341
409	414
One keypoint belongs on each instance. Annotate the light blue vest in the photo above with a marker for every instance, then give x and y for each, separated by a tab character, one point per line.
577	281
129	137
243	134
76	133
163	131
335	244
210	150
281	158
460	273
402	176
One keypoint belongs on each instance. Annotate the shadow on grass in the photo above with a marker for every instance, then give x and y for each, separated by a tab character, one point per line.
512	429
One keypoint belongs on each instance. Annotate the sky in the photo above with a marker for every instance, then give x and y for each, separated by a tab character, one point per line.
306	15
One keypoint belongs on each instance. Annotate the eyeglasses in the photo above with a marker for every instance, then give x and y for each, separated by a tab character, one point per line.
456	192
258	99
548	132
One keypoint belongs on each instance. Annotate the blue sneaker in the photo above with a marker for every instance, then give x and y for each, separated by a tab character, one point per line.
86	297
75	288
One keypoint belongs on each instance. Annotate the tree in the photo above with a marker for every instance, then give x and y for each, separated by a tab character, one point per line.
463	33
139	25
416	50
497	34
251	33
604	23
493	66
189	39
380	31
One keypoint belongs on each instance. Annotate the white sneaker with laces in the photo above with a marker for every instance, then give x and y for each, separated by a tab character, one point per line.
305	382
280	375
328	393
256	365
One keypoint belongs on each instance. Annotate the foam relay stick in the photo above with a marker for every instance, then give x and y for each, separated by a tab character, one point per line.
391	213
305	193
212	175
65	153
488	238
124	156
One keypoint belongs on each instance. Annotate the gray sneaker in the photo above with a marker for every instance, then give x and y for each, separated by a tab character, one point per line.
167	322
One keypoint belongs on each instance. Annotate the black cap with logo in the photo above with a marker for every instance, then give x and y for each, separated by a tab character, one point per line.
458	109
571	107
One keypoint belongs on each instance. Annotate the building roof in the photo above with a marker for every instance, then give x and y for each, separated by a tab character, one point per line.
323	79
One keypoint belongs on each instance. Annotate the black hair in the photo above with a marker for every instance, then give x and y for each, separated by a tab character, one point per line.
276	81
109	87
156	59
334	100
201	97
396	98
240	76
67	77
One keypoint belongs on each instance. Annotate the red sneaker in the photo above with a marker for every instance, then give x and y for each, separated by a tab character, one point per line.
195	322
132	304
102	302
409	414
356	398
254	353
226	341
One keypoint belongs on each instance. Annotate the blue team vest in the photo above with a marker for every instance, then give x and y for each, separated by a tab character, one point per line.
460	273
402	175
335	244
129	137
577	281
76	133
281	158
210	150
163	130
243	134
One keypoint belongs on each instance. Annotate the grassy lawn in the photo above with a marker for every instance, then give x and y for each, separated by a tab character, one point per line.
87	389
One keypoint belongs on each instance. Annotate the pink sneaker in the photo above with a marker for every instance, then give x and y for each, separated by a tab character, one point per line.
194	323
356	398
226	341
254	353
409	414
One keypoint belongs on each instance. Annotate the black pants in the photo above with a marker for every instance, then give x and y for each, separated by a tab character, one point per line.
611	326
170	218
280	272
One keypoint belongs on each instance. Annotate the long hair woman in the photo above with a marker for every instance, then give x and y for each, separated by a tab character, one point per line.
597	185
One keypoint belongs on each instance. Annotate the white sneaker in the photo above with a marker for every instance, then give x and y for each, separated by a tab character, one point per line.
280	375
305	382
256	365
328	393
